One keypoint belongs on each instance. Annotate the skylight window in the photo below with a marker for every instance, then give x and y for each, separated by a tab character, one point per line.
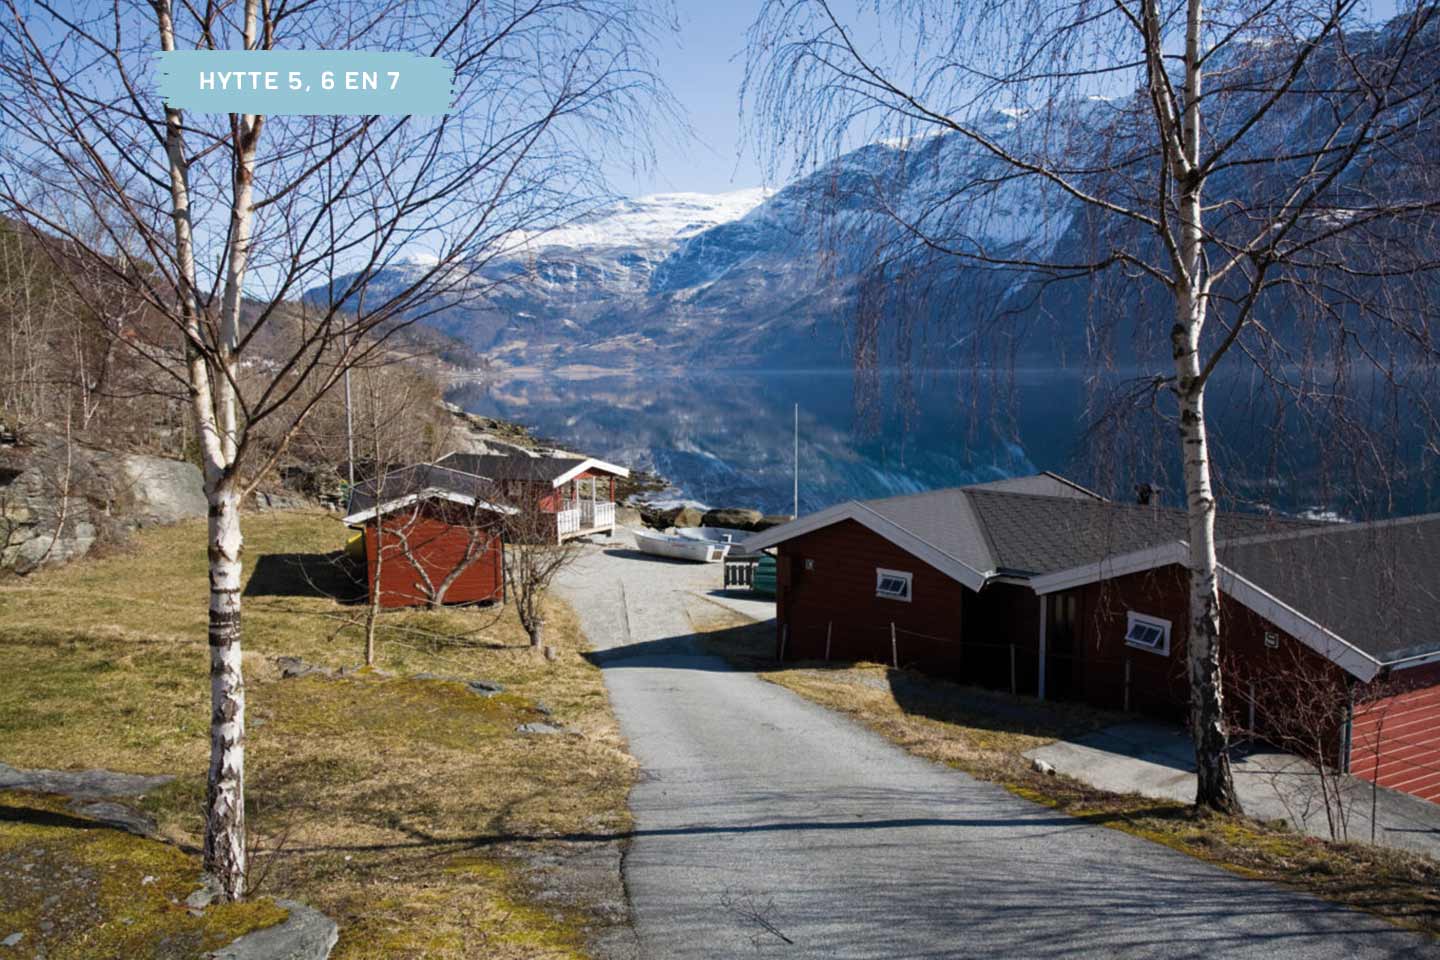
892	584
1148	633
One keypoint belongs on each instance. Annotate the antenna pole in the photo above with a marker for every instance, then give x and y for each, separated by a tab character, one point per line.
797	460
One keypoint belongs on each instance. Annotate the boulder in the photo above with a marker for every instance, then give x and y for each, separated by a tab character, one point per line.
772	520
296	667
736	518
543	729
116	815
682	517
81	784
265	500
155	490
307	934
627	516
481	688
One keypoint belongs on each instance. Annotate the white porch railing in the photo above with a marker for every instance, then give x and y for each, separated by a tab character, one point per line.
576	516
567	521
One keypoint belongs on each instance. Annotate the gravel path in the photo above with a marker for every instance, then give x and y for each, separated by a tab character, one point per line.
769	826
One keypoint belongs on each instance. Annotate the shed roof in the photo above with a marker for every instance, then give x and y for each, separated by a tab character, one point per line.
398	488
552	470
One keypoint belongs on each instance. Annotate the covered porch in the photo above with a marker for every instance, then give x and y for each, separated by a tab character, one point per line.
586	506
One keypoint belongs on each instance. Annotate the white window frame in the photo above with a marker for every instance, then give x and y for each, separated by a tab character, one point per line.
880	576
1163	626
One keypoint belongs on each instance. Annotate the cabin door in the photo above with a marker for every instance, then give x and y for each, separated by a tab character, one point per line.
1062	653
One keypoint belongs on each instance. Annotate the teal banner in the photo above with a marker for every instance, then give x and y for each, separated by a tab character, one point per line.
332	82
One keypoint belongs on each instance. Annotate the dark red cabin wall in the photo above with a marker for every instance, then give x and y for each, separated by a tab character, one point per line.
1159	685
1404	727
438	548
840	590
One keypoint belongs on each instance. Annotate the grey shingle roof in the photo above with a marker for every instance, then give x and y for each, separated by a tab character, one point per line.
518	467
1044	484
406	481
1034	535
1377	585
991	527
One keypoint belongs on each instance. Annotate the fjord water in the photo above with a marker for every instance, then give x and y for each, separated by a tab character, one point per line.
724	437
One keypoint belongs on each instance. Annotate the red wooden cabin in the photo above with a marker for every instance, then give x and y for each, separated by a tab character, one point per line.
1044	588
432	536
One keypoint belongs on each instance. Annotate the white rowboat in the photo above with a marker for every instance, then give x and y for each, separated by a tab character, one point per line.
719	535
680	548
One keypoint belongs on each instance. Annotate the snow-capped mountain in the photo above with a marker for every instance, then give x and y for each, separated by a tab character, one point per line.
794	278
743	279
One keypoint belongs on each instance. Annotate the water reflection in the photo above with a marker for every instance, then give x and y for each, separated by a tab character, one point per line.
725	437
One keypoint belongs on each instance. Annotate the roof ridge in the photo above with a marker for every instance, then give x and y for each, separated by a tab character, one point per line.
1321	529
940	550
979	518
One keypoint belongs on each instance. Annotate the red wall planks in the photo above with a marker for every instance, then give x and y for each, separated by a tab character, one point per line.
437	548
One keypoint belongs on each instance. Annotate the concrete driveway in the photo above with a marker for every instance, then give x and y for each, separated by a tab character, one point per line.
768	826
1156	760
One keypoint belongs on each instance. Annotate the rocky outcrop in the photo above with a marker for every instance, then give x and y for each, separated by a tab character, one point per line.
39	524
155	490
308	485
736	518
306	934
81	784
59	498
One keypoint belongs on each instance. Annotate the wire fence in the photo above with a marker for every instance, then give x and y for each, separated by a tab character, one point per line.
1120	683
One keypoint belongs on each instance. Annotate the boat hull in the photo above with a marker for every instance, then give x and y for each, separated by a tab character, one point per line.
681	548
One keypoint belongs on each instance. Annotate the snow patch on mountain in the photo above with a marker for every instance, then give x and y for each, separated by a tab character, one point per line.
653	220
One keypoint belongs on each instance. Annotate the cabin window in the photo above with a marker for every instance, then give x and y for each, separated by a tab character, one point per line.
892	584
1148	633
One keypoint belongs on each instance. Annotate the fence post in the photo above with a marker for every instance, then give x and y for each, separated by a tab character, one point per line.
1127	684
894	648
1012	670
829	628
784	636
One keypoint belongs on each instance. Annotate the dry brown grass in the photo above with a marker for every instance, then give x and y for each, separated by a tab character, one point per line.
985	734
412	812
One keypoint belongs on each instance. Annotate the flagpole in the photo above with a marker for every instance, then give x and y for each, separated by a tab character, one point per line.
797	460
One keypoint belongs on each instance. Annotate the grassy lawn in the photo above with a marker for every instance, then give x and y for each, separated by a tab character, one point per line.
409	811
985	734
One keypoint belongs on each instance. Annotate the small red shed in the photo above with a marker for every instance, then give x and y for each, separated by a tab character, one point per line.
433	536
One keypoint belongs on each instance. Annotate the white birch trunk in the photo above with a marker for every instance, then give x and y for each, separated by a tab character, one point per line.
214	405
225	791
1214	786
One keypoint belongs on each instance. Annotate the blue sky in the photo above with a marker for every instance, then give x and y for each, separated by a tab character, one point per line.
704	64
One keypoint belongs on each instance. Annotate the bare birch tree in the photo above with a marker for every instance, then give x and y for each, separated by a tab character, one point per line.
1233	172
534	556
220	223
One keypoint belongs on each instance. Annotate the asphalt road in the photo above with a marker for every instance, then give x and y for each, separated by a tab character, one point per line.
768	826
